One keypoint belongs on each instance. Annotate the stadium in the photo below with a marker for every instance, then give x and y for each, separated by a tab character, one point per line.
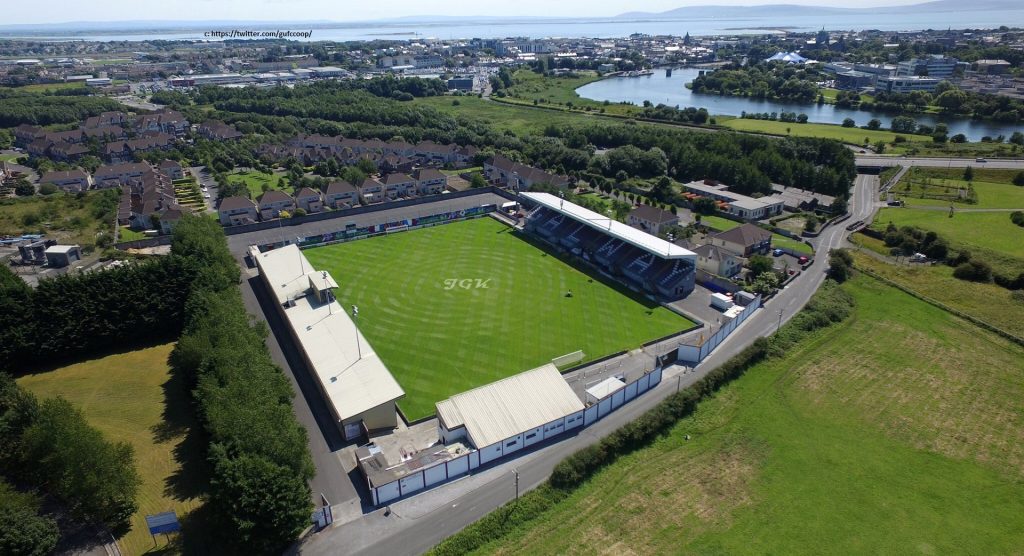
453	307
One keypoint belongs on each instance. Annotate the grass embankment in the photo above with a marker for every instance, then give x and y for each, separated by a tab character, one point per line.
896	431
255	181
65	217
852	135
439	342
560	91
132	397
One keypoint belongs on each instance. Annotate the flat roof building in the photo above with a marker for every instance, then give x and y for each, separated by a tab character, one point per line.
512	413
360	391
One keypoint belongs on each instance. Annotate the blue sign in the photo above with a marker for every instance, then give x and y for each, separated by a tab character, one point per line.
166	522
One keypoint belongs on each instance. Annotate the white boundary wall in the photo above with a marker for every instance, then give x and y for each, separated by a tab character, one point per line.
473	459
696	354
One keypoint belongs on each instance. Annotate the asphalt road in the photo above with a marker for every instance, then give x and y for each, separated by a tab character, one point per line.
397	534
876	160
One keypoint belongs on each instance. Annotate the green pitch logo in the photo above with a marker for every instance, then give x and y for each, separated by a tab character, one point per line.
467	283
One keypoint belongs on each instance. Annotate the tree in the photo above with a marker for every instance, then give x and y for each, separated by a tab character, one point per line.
95	478
477	180
765	284
48	189
267	504
840	262
875	123
968	174
848	122
1017	138
23	531
759	264
1018	180
952	100
705	205
904	124
22	188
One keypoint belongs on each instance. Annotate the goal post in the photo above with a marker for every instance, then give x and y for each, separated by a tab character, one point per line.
568	358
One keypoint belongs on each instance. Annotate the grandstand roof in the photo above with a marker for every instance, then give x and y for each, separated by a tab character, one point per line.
510	406
354	379
613	228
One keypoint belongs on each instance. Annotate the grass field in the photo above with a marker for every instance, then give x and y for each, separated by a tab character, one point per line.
63	217
826	131
132	397
505	116
987	302
988	230
44	87
440	342
993	188
255	181
899	431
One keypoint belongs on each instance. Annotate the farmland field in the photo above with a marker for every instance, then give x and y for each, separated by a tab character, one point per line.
132	397
898	431
988	230
439	342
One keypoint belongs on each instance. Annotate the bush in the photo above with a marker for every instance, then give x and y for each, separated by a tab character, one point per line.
974	271
840	263
1017	217
1018	180
48	189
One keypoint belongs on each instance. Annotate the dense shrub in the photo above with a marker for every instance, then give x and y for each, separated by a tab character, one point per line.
974	271
1017	217
23	532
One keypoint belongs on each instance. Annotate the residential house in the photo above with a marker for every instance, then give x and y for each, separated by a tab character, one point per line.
651	219
171	169
216	130
116	175
717	260
234	211
70	181
309	200
25	134
514	175
272	202
430	181
68	152
341	194
399	185
169	218
371	191
106	119
743	240
171	122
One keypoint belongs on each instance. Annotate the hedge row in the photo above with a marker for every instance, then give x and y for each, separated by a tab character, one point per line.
78	314
830	304
257	449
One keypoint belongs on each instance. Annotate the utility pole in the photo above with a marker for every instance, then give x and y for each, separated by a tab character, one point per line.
516	472
779	327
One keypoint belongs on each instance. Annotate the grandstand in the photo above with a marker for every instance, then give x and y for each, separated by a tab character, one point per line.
640	260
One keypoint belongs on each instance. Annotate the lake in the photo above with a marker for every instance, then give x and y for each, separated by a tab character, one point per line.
672	91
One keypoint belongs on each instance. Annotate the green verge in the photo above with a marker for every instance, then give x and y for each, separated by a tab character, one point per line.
439	342
900	444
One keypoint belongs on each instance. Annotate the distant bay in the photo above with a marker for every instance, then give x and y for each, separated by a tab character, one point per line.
569	28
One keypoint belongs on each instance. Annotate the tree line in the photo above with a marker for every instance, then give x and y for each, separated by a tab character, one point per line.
18	108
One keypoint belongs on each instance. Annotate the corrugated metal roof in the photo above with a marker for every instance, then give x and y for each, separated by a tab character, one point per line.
351	374
614	228
510	406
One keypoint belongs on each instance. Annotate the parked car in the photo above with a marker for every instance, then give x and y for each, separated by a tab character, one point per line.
777	252
979	159
803	259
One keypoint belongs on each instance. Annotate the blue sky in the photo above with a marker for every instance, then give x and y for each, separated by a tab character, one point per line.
57	11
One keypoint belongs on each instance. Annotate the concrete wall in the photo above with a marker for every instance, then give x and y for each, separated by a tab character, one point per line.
696	353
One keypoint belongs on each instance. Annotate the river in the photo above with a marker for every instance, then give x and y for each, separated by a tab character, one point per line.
672	91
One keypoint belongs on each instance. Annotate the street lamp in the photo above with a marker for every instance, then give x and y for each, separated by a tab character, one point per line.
779	327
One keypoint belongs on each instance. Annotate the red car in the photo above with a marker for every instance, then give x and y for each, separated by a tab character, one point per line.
803	259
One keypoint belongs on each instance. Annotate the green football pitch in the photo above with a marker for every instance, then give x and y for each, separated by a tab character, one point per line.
457	306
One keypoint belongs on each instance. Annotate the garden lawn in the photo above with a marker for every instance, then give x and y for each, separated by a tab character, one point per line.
132	397
852	135
439	342
255	181
128	234
988	230
899	431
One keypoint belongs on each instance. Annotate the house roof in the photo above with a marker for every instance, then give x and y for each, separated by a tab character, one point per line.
274	196
510	406
423	174
745	235
653	214
307	192
370	182
395	179
232	203
167	163
58	175
340	186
